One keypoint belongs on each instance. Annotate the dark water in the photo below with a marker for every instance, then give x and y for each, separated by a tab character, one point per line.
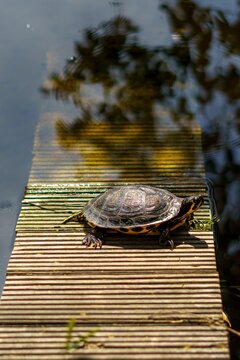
180	58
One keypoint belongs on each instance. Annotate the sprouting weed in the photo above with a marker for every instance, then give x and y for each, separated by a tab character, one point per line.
72	345
205	224
70	327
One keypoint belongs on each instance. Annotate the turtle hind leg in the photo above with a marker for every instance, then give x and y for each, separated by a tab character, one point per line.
94	237
164	238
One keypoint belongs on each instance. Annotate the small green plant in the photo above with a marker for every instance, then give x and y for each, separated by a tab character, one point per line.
206	224
72	345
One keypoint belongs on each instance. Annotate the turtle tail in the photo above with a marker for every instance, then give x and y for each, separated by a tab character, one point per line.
75	217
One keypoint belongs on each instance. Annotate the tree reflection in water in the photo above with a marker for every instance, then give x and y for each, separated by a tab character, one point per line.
118	84
121	86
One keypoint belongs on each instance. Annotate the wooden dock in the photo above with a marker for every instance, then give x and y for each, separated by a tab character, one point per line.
131	299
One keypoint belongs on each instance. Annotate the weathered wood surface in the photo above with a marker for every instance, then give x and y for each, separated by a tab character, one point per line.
144	302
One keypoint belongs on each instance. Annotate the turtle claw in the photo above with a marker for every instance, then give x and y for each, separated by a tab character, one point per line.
171	243
90	239
167	242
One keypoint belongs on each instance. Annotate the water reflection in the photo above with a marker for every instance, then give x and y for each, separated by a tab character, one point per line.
121	85
211	45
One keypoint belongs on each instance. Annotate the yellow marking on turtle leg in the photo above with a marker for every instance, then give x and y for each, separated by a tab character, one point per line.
178	224
78	217
91	224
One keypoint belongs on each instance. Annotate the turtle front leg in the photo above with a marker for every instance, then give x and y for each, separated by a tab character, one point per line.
95	237
164	238
189	221
193	223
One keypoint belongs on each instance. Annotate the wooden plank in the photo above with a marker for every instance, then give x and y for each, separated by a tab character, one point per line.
129	281
145	302
110	342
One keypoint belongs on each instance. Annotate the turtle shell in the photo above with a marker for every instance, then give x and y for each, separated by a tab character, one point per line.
131	206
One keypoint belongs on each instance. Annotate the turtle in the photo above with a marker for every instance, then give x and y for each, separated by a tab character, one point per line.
134	210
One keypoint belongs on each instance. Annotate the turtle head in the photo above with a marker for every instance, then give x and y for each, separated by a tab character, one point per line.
192	203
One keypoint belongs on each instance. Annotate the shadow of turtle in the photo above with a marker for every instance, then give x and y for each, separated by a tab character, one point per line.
151	242
179	237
